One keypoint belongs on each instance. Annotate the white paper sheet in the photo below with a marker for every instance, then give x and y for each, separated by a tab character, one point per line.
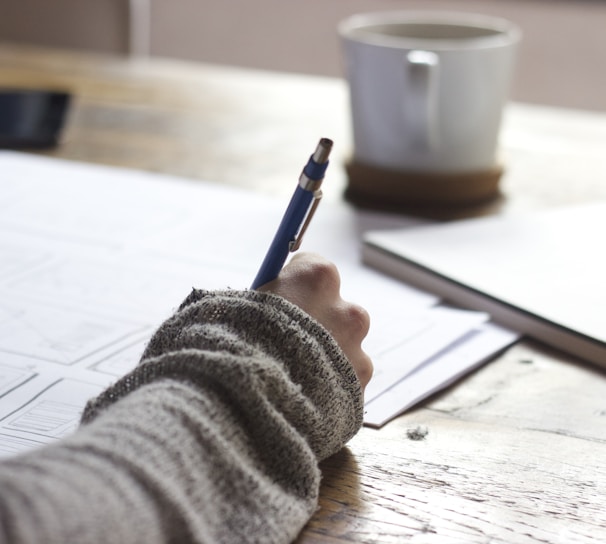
92	259
407	342
438	372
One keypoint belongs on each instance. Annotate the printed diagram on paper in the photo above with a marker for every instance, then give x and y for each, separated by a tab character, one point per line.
55	352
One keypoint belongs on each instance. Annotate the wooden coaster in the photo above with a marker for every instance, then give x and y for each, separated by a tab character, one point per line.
374	187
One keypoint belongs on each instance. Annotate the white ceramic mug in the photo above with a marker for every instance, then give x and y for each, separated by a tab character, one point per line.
428	89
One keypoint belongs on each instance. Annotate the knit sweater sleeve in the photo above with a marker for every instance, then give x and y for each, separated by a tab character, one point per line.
215	437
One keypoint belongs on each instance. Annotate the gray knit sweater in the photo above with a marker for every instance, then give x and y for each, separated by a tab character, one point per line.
215	437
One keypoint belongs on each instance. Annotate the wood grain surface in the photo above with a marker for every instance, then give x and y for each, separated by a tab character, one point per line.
516	452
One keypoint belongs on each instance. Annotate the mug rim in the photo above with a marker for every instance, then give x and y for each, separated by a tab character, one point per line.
505	32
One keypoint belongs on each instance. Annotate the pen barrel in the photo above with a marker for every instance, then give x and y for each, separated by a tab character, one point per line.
286	234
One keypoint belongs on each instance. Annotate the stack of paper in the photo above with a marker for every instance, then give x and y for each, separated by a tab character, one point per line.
92	259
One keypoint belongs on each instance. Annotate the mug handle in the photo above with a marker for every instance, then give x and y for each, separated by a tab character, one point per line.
420	106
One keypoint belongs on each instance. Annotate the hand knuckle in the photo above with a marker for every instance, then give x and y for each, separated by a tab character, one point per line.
358	319
366	370
325	274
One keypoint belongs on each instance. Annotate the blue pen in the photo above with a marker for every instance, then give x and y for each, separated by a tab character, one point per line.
296	219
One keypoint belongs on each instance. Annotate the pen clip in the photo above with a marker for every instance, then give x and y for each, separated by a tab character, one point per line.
293	245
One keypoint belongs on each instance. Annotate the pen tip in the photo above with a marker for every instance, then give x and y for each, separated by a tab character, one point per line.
321	153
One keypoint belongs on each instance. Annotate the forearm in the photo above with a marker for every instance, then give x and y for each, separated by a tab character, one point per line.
228	453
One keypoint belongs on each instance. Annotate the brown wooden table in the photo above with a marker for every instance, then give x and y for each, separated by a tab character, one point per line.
514	453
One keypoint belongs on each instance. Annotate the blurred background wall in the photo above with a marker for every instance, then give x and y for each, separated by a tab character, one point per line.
562	60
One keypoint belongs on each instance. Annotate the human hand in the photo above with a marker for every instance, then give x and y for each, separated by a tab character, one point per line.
313	283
